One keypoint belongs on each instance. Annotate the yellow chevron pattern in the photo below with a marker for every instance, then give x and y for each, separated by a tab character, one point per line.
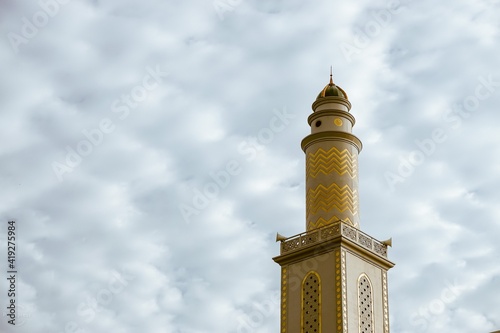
325	162
321	222
325	198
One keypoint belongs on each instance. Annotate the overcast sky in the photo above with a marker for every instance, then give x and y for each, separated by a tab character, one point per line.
150	151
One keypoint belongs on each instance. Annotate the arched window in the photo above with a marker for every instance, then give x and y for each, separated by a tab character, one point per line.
311	303
365	303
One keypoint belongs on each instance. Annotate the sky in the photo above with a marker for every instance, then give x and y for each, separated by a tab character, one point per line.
150	151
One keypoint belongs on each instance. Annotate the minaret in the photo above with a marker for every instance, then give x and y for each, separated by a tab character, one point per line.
331	161
333	276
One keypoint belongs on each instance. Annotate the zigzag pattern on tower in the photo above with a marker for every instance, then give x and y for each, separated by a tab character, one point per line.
326	198
321	222
325	162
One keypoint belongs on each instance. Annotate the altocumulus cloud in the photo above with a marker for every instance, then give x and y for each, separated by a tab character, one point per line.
105	247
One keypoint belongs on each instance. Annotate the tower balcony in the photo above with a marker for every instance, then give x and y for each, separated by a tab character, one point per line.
338	230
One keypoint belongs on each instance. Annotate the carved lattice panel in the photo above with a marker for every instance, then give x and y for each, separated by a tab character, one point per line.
311	304
365	305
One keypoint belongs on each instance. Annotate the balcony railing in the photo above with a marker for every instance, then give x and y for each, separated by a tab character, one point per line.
330	231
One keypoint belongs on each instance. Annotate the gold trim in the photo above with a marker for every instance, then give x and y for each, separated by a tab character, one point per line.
338	122
284	279
386	302
343	91
338	290
331	99
344	291
331	112
331	136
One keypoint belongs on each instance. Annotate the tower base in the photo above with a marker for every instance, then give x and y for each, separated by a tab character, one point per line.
334	279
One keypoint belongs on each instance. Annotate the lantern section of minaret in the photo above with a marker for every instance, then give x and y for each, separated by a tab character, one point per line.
331	161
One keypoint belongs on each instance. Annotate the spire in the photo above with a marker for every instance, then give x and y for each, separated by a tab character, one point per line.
331	89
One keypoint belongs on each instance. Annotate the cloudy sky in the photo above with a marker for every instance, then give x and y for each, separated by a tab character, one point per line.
149	152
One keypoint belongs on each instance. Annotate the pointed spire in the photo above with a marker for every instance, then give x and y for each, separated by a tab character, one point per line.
331	76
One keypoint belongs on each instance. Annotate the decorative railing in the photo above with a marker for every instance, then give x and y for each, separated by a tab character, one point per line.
330	231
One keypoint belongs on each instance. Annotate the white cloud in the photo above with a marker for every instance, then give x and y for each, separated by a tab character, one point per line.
117	211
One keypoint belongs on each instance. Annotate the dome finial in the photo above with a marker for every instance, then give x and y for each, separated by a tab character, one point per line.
331	89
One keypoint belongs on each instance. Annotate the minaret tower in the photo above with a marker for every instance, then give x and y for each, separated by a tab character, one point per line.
333	276
331	161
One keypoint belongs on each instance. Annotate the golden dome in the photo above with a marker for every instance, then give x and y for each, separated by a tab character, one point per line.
332	90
